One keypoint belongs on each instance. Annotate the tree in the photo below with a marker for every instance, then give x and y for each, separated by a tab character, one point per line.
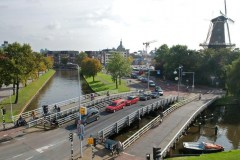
80	58
90	67
233	77
118	67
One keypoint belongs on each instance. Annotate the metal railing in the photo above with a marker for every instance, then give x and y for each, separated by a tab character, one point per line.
185	126
155	121
65	115
85	97
127	120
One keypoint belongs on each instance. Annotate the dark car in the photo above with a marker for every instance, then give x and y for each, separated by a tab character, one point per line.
144	80
91	116
145	96
155	95
132	100
159	90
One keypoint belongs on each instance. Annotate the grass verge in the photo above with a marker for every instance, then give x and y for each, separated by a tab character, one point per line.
25	95
104	82
231	155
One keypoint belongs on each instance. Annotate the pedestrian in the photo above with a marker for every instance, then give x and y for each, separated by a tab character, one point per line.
107	93
200	96
119	147
55	109
33	115
92	96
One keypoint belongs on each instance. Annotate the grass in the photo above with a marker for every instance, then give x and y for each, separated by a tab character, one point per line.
104	82
227	100
25	95
231	155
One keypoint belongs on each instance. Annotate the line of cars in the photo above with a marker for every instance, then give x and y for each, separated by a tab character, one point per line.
93	114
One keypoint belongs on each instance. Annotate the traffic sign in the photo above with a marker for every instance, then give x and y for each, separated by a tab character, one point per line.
90	140
83	110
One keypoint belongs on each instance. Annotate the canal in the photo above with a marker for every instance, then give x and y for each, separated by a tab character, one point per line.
62	86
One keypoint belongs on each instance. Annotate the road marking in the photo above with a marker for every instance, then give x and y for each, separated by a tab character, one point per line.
19	139
128	154
40	150
17	156
29	158
5	135
5	142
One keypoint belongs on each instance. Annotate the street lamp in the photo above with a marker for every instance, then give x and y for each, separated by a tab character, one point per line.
193	77
179	76
79	103
11	105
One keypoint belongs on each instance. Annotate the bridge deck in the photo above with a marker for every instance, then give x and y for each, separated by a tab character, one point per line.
164	133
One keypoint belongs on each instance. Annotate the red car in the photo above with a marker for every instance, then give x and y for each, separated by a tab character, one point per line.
116	105
132	100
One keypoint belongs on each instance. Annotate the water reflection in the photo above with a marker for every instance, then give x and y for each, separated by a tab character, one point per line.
227	119
62	86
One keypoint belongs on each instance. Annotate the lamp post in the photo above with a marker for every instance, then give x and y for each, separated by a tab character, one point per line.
148	78
79	103
179	76
11	105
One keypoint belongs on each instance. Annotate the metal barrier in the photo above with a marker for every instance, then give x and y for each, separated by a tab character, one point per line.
63	103
127	120
185	126
60	116
155	121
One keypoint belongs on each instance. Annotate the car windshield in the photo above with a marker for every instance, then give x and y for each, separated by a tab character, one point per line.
130	98
113	104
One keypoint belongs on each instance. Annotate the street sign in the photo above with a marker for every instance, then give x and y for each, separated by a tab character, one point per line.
90	140
158	72
83	110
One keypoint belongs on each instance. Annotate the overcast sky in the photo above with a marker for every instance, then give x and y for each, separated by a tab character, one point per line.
99	24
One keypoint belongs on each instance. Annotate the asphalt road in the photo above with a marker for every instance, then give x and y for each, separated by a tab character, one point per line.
54	144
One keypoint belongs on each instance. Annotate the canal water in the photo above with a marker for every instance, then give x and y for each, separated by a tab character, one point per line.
226	118
62	86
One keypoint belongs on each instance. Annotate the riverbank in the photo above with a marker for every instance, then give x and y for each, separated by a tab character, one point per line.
104	82
26	94
231	155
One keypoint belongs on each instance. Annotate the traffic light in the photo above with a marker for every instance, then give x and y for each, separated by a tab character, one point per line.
71	137
95	142
156	153
45	109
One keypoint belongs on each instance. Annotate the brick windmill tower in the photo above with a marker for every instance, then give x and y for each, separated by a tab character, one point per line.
216	37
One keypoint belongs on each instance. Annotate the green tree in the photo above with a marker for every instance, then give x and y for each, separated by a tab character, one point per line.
80	58
118	67
90	67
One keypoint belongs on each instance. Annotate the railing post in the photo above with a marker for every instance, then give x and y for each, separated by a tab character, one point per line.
116	127
128	121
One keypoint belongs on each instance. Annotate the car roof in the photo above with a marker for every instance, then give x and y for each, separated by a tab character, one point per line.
118	100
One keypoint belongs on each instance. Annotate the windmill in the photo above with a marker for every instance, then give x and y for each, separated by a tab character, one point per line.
216	33
148	43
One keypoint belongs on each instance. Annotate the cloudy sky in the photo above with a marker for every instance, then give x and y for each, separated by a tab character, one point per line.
99	24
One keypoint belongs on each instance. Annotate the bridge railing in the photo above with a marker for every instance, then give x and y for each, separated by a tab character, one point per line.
185	126
127	120
66	115
155	121
83	98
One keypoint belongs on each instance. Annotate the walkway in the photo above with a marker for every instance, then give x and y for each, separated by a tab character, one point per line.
164	133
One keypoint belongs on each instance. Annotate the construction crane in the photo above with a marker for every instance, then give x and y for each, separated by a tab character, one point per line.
148	43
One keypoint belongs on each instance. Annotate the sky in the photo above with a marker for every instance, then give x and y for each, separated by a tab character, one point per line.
93	25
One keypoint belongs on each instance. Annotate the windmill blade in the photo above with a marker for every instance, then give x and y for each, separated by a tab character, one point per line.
228	34
230	20
222	13
225	8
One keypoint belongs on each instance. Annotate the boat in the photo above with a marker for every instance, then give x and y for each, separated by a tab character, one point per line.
201	147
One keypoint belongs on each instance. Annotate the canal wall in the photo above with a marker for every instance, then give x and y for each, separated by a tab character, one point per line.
30	100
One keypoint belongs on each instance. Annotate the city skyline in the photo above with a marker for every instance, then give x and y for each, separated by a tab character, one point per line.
99	24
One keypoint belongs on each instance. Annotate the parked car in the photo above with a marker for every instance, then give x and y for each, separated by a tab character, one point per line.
91	116
116	105
159	90
155	95
145	96
152	84
131	100
144	80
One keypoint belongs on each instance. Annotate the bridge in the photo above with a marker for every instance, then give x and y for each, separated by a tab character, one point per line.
107	125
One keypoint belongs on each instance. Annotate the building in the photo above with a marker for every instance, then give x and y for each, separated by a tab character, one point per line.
59	55
4	45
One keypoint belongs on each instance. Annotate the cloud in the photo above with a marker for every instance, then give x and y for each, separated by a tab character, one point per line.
54	26
3	7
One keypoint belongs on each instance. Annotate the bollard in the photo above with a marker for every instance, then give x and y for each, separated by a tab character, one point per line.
216	130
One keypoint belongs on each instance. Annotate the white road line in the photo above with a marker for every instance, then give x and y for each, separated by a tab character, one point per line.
40	150
5	135
5	142
128	154
29	158
17	156
19	139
